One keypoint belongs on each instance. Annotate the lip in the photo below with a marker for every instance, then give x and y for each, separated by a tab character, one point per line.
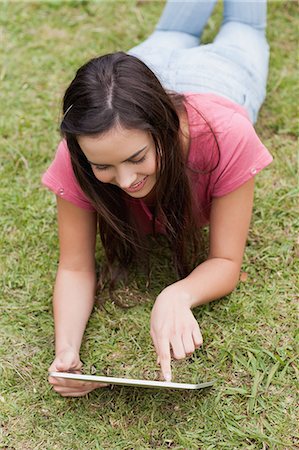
138	186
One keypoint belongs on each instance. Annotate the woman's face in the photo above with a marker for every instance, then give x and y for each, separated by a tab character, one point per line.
125	158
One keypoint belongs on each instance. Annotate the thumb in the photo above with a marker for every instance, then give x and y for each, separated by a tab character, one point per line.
67	362
62	366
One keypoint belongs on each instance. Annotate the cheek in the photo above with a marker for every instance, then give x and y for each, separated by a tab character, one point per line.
152	165
102	176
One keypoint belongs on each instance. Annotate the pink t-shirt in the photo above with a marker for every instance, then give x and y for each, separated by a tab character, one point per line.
241	156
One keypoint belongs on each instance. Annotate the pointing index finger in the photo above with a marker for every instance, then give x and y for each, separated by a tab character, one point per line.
164	357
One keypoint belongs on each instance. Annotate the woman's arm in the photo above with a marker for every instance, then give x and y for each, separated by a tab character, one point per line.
76	280
229	224
73	293
214	278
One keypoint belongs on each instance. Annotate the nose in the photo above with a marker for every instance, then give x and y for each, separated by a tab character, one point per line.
125	178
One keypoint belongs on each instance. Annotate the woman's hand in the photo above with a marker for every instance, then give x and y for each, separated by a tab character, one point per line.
173	324
69	361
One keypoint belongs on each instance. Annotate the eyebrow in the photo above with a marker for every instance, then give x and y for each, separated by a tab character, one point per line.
132	156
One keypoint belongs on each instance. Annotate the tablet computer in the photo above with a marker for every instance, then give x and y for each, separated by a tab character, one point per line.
131	382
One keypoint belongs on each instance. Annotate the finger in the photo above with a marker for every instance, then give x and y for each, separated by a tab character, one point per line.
156	347
188	343
72	368
164	356
65	390
197	337
73	394
68	363
56	381
73	384
178	347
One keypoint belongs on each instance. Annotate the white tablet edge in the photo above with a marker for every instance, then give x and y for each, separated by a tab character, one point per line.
130	382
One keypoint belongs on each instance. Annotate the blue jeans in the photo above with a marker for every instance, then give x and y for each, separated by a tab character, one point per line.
234	65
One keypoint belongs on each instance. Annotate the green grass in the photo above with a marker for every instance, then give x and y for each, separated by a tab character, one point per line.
249	336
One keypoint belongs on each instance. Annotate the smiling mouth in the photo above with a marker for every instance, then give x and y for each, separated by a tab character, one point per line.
137	186
138	183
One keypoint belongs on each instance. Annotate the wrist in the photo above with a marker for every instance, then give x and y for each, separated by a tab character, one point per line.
59	349
181	287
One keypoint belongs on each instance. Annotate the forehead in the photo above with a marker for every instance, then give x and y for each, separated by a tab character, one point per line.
114	146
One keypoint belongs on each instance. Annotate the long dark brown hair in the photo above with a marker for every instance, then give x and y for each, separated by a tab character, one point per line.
119	89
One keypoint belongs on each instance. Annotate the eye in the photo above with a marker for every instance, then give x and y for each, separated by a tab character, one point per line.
138	161
101	167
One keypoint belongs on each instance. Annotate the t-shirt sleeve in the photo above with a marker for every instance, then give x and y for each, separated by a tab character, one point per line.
61	180
242	156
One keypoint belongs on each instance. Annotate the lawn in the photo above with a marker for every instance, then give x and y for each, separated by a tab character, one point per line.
249	336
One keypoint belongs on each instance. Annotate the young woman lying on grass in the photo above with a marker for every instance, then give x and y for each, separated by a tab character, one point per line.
159	140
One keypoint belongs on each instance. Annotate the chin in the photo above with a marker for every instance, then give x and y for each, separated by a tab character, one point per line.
150	195
138	194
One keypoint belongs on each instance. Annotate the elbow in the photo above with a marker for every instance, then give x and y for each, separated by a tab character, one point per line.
232	286
230	269
233	278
